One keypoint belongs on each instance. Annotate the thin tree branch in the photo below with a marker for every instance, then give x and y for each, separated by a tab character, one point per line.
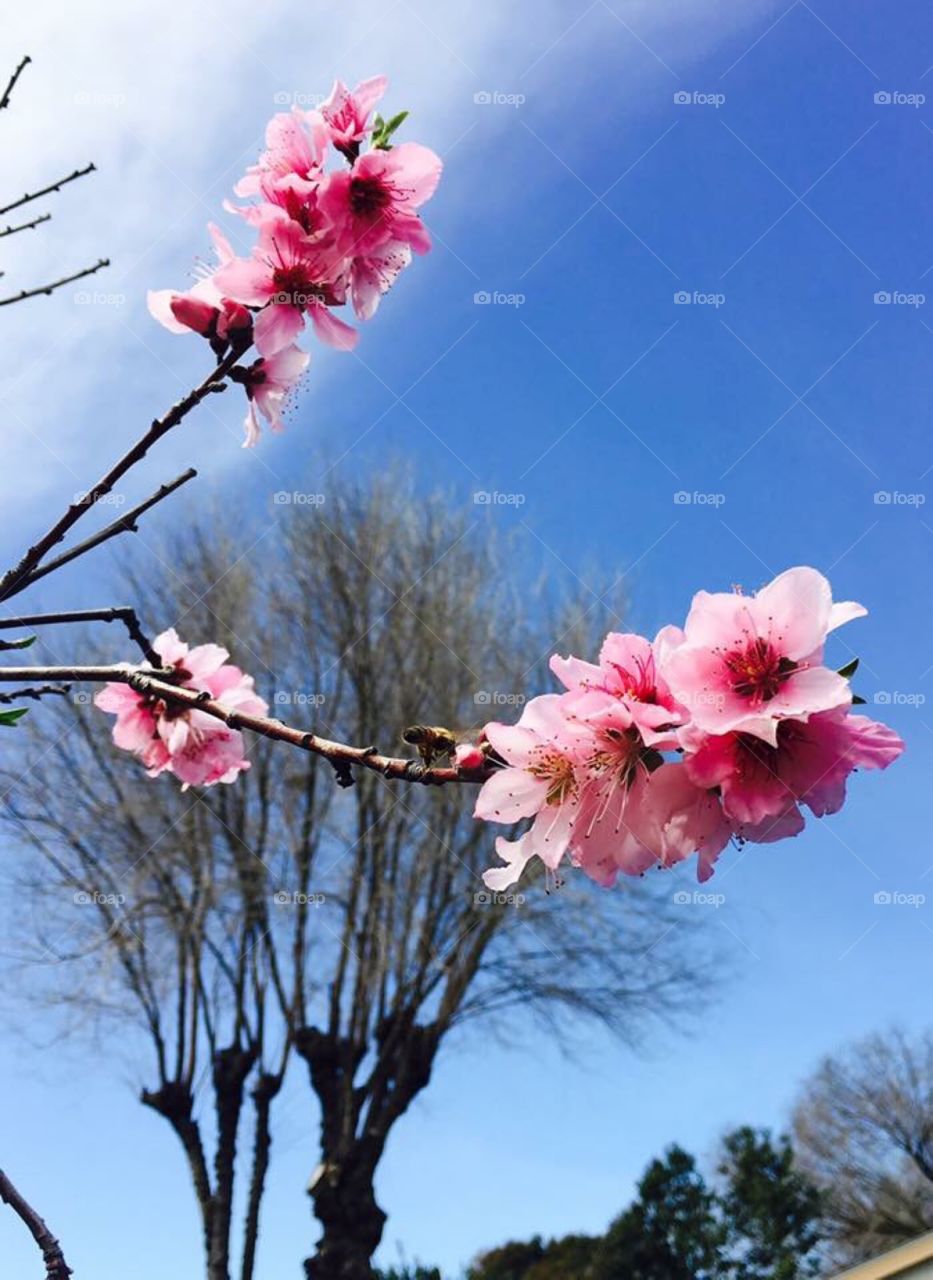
115	613
15	579
45	191
56	1268
25	226
8	91
54	284
126	524
35	693
342	756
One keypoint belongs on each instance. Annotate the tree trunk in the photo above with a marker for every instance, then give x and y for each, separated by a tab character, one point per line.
355	1124
351	1221
230	1068
265	1091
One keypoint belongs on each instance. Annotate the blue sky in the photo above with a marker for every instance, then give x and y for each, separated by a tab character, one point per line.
782	199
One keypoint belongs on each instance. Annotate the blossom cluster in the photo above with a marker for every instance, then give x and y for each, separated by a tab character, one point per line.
323	236
720	731
198	748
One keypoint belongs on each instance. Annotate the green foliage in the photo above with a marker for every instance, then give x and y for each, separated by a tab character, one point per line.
511	1261
10	717
758	1220
772	1211
569	1258
383	130
671	1232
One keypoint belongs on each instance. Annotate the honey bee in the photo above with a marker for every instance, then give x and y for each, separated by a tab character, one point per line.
433	741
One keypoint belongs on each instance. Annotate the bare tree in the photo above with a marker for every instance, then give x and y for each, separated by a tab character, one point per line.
863	1130
343	929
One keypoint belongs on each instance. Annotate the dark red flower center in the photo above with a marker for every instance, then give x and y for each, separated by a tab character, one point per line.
368	197
640	684
758	671
293	280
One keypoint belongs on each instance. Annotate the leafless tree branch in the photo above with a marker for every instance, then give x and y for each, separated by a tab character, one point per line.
55	1266
25	226
54	284
8	91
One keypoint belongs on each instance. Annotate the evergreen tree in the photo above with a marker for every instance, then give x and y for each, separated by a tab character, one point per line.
671	1231
771	1211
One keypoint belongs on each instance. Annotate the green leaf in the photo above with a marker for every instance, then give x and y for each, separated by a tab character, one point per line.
857	701
383	130
11	717
18	644
849	670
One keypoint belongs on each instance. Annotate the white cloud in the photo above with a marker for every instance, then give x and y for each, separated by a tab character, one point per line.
170	104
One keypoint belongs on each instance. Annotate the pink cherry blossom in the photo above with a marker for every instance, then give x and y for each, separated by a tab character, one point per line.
346	115
296	144
538	781
808	765
749	661
678	819
289	275
199	749
372	277
612	775
203	309
376	201
268	383
629	668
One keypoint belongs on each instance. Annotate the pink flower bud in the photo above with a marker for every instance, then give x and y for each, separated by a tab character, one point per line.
194	314
469	756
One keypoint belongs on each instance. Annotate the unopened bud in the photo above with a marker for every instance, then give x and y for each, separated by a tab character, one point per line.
469	756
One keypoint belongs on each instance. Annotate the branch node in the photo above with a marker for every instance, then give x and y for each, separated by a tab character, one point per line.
343	773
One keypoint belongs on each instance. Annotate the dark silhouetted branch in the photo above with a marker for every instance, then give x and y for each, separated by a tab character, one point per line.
35	693
126	524
56	1268
45	191
25	226
115	613
8	91
17	578
54	284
